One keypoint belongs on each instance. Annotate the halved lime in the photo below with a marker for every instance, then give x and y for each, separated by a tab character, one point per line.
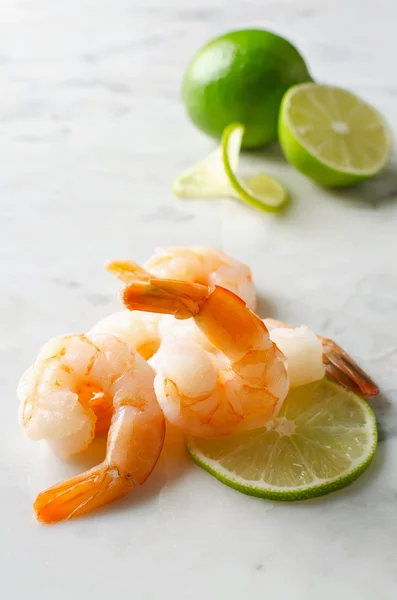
323	438
216	176
331	135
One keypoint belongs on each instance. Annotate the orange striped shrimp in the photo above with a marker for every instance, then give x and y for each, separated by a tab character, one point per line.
84	385
195	264
236	385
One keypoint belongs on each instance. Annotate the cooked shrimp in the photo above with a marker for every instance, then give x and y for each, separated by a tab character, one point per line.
80	386
238	387
139	330
310	357
195	264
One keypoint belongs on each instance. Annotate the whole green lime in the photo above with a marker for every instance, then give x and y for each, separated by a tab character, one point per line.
241	77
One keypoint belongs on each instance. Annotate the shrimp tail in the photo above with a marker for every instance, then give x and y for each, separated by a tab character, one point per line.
127	271
167	296
344	370
81	494
339	365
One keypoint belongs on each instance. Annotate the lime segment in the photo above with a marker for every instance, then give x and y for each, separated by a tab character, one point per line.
331	135
216	176
323	438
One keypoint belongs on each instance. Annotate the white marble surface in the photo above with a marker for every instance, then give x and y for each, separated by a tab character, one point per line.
92	133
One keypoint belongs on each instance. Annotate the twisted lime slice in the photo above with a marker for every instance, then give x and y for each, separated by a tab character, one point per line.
216	176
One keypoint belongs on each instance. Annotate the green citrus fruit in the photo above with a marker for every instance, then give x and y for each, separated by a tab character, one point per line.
242	77
332	136
323	438
216	176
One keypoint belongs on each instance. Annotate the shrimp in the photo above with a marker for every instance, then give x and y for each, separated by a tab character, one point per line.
140	330
195	264
84	385
310	357
238	386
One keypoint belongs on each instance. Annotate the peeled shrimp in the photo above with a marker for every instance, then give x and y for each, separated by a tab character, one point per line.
237	383
80	385
195	264
310	357
140	330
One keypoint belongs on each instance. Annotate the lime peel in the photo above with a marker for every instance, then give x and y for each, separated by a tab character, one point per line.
261	191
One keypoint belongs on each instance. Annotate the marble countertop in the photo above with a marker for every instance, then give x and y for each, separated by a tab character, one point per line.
92	133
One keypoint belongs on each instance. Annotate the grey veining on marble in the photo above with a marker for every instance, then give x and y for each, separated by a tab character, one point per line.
92	134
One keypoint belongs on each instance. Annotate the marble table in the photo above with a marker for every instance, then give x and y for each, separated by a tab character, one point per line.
92	133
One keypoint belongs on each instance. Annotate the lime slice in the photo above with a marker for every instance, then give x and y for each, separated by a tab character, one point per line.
216	176
323	438
331	135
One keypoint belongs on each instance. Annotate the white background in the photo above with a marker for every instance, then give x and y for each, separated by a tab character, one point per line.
92	134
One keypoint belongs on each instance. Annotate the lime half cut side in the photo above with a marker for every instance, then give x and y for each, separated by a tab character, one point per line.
323	438
331	135
216	176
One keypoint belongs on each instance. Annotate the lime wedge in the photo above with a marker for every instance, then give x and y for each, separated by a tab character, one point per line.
331	135
323	438
216	176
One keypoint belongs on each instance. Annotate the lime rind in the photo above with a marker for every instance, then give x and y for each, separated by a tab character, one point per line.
215	177
319	487
274	200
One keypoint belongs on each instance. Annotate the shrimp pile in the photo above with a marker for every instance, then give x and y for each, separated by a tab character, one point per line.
232	376
215	368
81	385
